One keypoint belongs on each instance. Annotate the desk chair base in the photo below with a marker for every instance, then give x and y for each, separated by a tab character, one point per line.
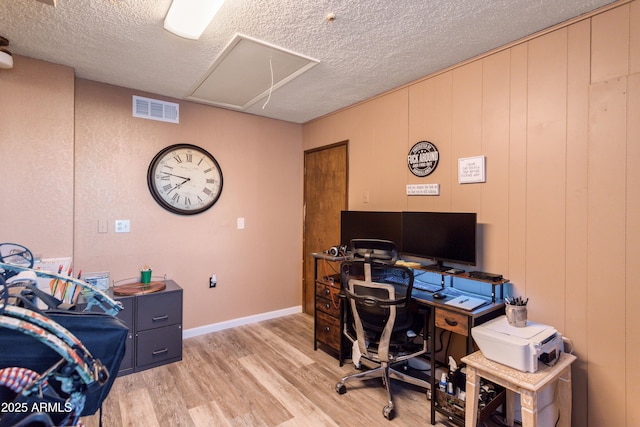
385	372
379	316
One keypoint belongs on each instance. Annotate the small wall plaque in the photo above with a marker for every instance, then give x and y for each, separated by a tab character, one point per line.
423	189
471	169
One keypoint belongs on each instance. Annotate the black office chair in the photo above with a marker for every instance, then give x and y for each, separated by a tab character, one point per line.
379	319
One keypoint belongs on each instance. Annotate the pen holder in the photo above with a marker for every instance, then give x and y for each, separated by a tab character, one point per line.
516	315
145	276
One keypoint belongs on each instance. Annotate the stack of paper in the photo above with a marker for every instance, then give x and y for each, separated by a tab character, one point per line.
466	302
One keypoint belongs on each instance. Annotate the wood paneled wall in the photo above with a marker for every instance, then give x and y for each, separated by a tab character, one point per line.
557	118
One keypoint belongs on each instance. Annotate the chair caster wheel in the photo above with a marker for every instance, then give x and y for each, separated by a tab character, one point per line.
388	412
341	388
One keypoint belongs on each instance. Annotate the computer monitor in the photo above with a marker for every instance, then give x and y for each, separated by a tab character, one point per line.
370	225
440	236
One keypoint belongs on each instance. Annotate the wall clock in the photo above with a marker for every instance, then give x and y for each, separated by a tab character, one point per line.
185	179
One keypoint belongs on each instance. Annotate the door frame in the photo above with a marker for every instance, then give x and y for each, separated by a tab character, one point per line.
306	281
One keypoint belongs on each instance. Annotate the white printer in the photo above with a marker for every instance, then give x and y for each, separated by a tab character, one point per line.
520	348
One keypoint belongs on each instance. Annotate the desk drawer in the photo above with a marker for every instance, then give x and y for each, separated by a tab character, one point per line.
325	290
330	307
452	321
158	346
328	330
158	310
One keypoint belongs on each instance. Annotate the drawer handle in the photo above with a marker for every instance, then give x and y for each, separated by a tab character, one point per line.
327	329
165	317
327	306
157	352
451	322
327	291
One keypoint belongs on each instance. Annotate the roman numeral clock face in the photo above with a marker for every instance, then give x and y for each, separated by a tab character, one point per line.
185	179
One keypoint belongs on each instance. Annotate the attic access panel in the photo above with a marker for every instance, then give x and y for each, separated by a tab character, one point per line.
242	74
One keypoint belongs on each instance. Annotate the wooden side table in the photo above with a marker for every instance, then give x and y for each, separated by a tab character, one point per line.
515	381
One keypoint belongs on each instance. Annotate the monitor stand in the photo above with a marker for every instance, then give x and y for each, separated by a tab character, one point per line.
436	267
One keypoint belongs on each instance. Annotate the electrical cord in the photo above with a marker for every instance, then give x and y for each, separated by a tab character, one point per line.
271	88
567	342
446	352
325	263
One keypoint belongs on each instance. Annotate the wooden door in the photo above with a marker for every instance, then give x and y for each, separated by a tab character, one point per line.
325	195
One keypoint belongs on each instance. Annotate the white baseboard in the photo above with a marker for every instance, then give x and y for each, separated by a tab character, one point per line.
201	330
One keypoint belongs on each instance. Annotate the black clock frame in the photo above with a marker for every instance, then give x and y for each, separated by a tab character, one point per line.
156	196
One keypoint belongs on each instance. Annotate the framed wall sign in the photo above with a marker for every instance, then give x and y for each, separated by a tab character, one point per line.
471	169
423	158
99	279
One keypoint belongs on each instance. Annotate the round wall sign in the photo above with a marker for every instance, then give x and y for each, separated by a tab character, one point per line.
422	158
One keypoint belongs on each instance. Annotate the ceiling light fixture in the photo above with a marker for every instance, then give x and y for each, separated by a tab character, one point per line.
6	59
189	18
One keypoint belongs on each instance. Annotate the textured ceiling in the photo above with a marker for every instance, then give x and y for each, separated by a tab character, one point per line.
371	47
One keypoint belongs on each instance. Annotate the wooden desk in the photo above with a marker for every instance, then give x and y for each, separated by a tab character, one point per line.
455	320
515	381
328	320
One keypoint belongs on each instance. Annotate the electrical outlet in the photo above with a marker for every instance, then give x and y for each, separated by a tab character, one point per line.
213	281
122	226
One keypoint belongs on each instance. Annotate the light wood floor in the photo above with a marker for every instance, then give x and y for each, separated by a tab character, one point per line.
263	374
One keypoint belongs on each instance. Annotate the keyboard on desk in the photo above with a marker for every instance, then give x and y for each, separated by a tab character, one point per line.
426	286
431	287
453	292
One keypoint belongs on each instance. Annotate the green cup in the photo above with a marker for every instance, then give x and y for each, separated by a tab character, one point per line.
145	276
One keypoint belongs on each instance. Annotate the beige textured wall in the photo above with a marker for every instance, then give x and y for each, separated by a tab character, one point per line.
258	268
36	156
75	155
557	119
